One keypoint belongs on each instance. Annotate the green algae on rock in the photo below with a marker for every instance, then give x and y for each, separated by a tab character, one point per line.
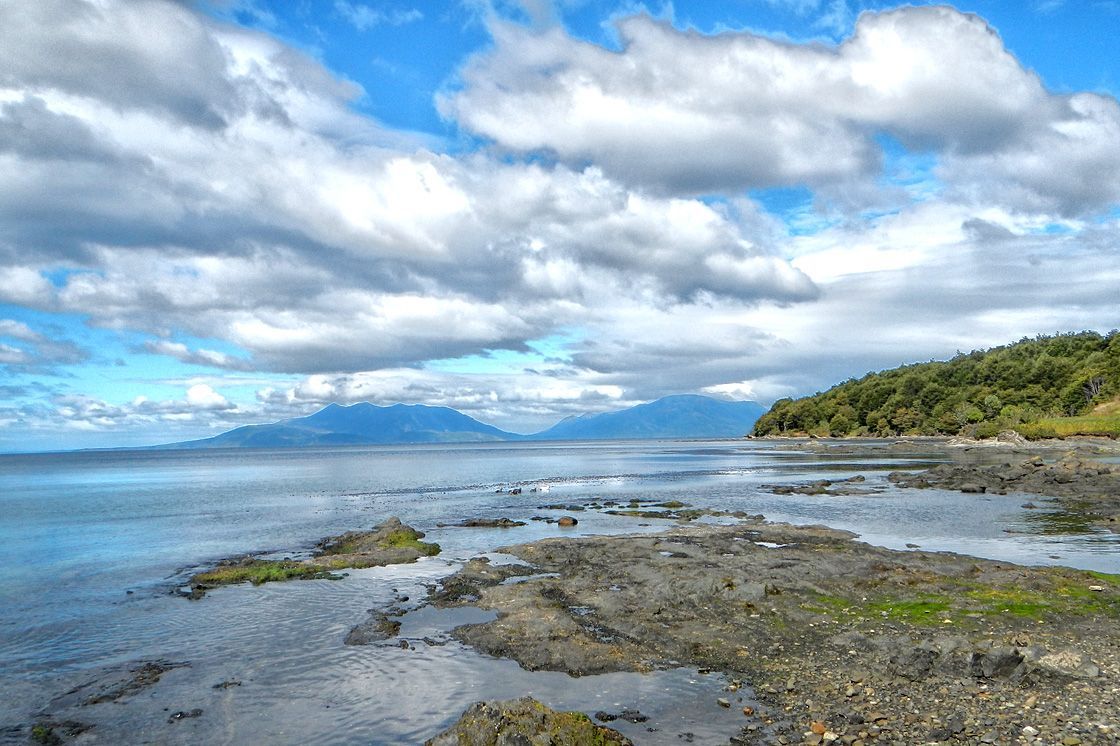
525	721
391	543
870	641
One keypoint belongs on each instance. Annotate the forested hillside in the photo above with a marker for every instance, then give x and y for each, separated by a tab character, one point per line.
1024	386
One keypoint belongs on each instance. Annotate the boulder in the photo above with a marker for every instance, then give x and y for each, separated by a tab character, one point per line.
524	722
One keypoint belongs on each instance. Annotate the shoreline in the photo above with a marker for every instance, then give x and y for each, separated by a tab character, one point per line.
770	613
839	641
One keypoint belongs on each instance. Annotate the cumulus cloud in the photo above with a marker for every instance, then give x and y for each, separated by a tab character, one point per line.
519	399
201	406
687	112
203	396
217	184
253	206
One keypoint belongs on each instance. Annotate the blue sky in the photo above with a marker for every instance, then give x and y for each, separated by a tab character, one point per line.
236	211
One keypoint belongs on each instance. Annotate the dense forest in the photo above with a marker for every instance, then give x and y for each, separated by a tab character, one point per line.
1021	386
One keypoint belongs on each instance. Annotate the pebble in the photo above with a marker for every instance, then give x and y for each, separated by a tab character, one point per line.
723	702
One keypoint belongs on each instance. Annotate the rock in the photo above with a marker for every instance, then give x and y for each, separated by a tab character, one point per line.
525	722
997	663
973	488
181	715
914	664
502	522
123	684
1029	731
633	716
47	732
567	521
722	702
375	629
817	727
388	544
1069	663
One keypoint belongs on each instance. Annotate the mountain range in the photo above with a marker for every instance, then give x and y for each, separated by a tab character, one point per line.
681	416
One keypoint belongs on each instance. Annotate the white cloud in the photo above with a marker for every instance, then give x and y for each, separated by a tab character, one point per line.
364	17
35	352
203	396
686	112
12	355
200	356
201	407
520	400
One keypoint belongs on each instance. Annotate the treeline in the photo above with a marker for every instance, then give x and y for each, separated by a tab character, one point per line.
977	394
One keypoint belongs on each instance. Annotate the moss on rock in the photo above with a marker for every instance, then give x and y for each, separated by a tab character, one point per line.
525	721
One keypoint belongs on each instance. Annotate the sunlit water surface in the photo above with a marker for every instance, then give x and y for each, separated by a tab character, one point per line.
92	544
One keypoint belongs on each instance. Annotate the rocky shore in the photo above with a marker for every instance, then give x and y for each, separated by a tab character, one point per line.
1088	487
814	637
841	642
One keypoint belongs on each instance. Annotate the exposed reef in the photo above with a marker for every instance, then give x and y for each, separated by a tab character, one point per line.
390	543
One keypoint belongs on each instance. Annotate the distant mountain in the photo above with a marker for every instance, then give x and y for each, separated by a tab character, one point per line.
682	416
359	424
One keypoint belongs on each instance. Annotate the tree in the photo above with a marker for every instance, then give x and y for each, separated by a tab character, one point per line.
1092	388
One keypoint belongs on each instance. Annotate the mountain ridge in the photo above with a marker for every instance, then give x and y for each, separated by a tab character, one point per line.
364	423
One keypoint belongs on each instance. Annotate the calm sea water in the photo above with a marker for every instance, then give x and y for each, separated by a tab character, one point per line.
92	544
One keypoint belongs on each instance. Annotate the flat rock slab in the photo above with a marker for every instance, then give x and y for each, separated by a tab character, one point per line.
827	629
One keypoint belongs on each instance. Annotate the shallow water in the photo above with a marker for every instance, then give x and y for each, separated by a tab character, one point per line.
79	532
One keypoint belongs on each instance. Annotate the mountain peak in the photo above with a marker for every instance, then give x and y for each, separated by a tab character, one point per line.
365	423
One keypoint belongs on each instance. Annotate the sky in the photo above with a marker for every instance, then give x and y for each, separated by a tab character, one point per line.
237	211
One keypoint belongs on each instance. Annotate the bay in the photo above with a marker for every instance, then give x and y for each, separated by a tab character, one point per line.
93	544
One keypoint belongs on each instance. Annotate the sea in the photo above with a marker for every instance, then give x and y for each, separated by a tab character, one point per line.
96	546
